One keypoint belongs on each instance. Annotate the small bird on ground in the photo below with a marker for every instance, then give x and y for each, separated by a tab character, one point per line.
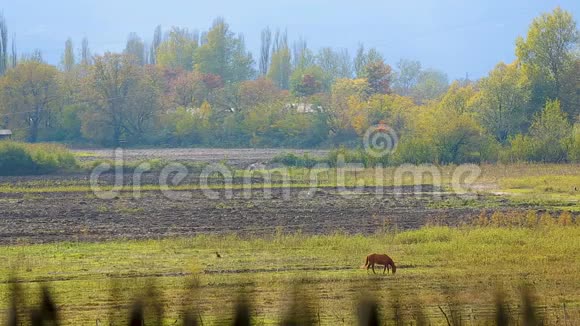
217	254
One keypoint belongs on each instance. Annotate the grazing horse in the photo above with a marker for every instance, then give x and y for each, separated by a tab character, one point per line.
379	259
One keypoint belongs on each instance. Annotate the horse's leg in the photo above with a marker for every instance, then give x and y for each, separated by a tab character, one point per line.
388	268
374	268
384	269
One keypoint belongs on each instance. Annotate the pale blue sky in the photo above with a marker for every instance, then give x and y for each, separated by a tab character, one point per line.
455	36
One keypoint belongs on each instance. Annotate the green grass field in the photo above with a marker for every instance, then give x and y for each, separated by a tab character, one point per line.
435	264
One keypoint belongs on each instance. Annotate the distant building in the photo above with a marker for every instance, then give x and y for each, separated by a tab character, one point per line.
303	107
5	134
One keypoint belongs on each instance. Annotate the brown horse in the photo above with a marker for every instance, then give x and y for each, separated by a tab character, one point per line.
379	259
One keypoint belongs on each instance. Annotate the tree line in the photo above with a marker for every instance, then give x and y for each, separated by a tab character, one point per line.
188	88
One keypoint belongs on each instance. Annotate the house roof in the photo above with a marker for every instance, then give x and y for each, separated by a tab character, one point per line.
5	132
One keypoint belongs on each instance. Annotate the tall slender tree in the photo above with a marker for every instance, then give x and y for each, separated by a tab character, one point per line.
85	52
336	64
265	47
68	57
407	76
178	49
136	48
3	45
14	54
157	39
280	65
359	60
302	57
363	58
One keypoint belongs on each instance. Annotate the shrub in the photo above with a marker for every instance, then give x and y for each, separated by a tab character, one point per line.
565	219
21	158
14	159
497	219
546	219
531	219
521	149
427	235
490	150
344	154
550	138
482	219
291	159
414	151
359	155
574	145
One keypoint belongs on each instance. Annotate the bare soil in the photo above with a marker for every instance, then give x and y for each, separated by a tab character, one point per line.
233	157
80	216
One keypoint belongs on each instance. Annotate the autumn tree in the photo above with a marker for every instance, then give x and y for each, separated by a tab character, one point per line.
189	125
378	74
458	97
111	82
389	108
363	58
29	95
191	89
187	89
258	121
547	53
439	135
224	54
144	104
549	132
308	81
136	48
342	92
456	139
176	52
431	84
73	101
501	103
407	76
420	84
255	92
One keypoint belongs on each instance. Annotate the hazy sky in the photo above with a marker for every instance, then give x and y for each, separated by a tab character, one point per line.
456	36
